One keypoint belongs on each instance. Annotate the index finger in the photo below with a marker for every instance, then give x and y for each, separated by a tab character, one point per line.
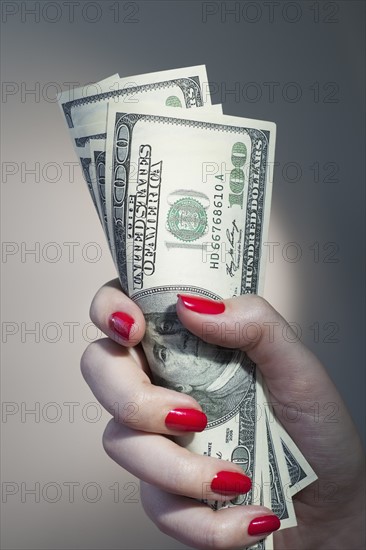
117	315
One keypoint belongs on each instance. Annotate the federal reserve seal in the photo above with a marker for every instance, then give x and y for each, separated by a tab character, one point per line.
187	219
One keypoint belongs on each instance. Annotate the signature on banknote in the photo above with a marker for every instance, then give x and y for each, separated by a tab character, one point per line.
233	236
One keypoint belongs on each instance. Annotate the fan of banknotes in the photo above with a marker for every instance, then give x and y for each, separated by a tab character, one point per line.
183	194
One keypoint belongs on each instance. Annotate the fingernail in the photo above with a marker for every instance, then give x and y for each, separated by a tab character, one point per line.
264	524
121	323
186	420
230	483
202	305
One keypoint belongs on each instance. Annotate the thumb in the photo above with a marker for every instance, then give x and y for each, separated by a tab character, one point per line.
295	378
250	323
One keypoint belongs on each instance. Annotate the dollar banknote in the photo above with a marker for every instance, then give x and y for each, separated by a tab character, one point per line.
180	87
204	184
191	219
97	174
300	472
281	501
86	166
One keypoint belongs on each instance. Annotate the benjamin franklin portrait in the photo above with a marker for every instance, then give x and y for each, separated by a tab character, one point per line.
216	377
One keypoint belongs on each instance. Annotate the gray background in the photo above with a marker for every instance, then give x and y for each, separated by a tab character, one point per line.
313	54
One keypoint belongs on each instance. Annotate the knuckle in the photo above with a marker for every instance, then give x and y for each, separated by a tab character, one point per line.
261	303
215	536
255	316
87	359
136	402
161	523
128	414
260	308
95	305
137	409
93	356
165	525
184	469
109	437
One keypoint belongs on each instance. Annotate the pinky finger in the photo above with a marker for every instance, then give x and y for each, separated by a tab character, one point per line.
197	525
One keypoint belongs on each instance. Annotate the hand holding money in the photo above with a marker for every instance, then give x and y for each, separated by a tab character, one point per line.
170	475
183	194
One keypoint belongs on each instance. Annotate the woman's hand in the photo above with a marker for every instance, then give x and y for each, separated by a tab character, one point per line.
329	512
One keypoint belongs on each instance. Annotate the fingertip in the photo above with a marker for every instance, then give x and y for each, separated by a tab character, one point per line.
200	304
125	329
117	315
186	420
264	525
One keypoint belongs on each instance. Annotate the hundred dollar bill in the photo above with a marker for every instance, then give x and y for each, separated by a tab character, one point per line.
267	542
86	166
97	174
198	202
265	489
192	219
300	472
281	501
93	171
180	87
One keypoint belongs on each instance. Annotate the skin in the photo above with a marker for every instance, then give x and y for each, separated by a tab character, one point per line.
330	512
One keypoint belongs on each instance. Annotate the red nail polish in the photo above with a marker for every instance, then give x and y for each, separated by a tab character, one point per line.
264	524
230	483
121	323
186	420
202	305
